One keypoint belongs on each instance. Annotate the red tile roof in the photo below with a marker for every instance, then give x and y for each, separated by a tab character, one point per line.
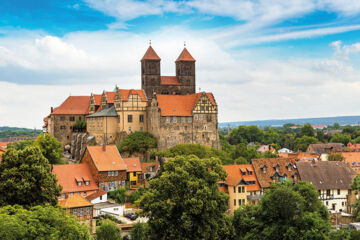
108	160
66	175
133	164
169	80
270	164
145	167
125	93
74	201
150	55
180	105
235	175
96	195
352	158
78	105
185	56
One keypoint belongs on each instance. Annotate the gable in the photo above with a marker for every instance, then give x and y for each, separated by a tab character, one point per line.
204	105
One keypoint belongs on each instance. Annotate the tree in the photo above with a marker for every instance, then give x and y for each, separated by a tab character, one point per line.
118	195
303	142
140	231
335	157
137	142
198	150
26	178
50	147
108	231
40	222
306	130
355	185
20	145
286	211
184	202
289	141
340	138
245	134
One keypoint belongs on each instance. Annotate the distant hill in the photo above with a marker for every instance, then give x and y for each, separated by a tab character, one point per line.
345	120
6	132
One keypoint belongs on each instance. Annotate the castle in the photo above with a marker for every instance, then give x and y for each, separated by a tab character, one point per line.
168	107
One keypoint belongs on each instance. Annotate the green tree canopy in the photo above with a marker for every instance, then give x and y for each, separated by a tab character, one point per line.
198	150
137	142
307	130
50	147
340	138
140	231
184	202
303	142
26	178
335	157
286	211
40	222
245	134
20	145
108	231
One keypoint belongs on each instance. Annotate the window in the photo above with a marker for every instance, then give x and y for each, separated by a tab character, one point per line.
327	203
79	193
239	201
87	183
338	191
118	119
84	194
342	204
75	211
110	173
115	173
243	189
174	119
88	211
250	173
239	189
201	117
63	195
134	174
141	129
183	119
72	119
133	182
79	183
243	201
130	129
234	202
62	118
243	173
189	120
101	197
234	189
196	117
130	118
81	212
328	192
102	185
62	127
141	118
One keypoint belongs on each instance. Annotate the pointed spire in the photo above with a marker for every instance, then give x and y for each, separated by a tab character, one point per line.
185	56
150	54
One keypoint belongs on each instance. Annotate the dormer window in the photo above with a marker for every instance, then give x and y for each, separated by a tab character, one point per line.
277	167
79	183
250	173
87	183
264	169
289	167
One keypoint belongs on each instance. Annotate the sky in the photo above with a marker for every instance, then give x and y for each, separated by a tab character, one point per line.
262	59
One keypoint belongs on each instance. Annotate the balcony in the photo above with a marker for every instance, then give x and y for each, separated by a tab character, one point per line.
326	196
253	197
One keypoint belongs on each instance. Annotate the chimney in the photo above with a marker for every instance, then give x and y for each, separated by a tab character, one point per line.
104	147
51	110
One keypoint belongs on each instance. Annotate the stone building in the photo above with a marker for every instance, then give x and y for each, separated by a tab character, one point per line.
61	119
153	83
184	119
167	107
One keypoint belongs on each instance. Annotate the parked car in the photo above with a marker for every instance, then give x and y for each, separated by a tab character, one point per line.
130	216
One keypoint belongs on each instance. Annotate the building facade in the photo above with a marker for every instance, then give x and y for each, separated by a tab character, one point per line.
166	106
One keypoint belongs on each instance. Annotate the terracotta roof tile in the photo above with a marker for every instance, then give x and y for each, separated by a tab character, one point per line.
133	164
353	158
235	175
96	195
73	105
145	167
185	56
327	174
180	105
170	80
68	173
150	54
108	160
265	178
74	201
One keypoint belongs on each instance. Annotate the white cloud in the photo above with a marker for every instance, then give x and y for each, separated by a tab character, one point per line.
344	51
39	72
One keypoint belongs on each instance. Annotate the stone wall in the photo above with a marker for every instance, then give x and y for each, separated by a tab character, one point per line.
61	127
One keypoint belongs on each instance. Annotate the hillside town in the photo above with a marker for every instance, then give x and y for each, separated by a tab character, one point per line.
114	158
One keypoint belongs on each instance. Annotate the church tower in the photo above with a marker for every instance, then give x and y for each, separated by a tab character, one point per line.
185	71
150	72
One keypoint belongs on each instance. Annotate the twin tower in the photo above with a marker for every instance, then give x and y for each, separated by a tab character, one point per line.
153	83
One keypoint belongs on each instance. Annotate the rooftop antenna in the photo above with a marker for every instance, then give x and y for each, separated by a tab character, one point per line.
184	44
150	42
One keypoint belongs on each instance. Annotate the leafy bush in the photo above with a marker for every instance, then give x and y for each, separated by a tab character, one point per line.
118	195
137	142
108	231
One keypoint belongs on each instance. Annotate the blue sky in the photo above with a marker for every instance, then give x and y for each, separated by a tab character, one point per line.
278	59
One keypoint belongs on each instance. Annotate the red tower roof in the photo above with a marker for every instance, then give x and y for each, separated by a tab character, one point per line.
150	55
185	56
